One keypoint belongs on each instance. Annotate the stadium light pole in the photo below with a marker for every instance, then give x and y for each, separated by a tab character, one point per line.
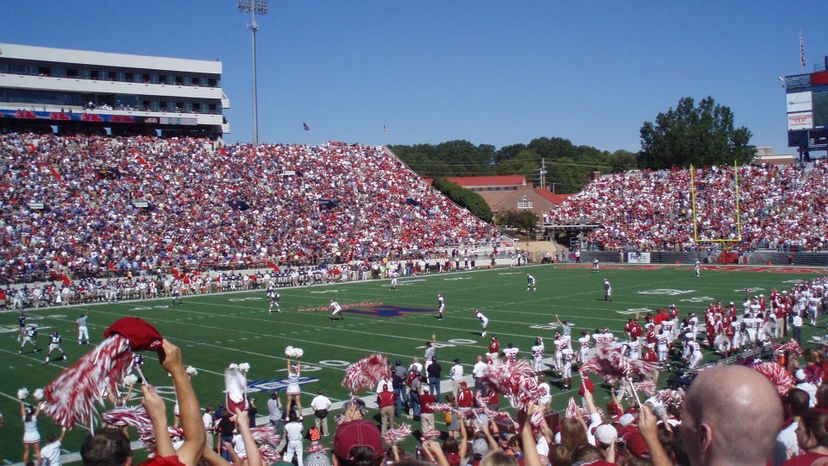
255	7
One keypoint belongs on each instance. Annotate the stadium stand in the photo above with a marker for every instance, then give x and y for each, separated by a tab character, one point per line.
782	208
92	206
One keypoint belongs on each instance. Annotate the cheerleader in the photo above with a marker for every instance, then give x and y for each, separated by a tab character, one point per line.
31	437
293	389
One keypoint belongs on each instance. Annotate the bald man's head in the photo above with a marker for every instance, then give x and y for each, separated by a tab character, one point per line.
731	415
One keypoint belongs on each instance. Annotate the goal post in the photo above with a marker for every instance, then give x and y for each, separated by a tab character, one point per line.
737	214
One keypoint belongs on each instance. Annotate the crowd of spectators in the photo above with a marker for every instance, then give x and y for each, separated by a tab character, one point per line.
782	208
116	205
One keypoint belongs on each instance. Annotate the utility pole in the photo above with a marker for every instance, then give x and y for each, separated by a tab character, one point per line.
255	7
543	174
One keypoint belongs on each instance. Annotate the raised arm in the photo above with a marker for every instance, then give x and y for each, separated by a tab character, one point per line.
158	415
194	437
254	457
648	425
464	440
527	439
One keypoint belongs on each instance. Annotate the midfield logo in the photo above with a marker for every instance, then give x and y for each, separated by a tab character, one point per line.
384	310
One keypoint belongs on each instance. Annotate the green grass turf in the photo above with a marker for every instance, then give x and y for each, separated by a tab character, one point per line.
214	330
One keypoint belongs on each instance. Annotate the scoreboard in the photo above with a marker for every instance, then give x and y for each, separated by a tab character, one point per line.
806	99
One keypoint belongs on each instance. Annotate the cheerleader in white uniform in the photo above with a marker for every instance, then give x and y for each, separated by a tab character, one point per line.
31	437
293	390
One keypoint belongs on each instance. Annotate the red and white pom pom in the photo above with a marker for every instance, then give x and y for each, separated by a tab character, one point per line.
671	398
366	373
397	434
136	417
516	380
431	434
646	386
612	366
777	375
445	407
266	434
792	347
71	397
499	415
317	447
270	455
22	393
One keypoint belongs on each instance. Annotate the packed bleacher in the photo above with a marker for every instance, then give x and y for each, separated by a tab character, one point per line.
118	206
781	208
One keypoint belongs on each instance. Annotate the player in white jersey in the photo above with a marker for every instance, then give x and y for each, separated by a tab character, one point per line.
537	356
697	269
83	330
511	352
695	354
273	294
662	342
635	349
607	290
394	280
54	345
566	367
596	266
336	311
175	292
583	353
530	282
484	321
441	306
30	337
558	342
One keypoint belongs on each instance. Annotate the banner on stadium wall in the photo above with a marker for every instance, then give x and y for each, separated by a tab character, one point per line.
638	257
96	117
800	120
799	102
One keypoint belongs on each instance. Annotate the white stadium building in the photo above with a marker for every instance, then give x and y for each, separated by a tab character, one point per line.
78	90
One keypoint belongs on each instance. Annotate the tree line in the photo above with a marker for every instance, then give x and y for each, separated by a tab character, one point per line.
703	135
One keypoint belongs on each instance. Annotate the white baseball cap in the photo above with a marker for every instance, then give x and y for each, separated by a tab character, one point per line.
606	434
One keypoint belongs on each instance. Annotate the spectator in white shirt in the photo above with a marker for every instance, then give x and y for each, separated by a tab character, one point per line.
320	405
456	374
478	372
50	453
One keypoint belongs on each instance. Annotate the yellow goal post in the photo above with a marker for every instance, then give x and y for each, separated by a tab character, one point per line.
737	215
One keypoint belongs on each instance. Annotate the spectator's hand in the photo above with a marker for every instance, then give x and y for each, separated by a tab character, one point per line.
153	403
242	420
648	423
170	355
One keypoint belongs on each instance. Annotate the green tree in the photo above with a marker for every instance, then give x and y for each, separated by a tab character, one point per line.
699	135
464	198
524	220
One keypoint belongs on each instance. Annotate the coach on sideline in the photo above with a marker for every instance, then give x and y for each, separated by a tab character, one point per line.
731	415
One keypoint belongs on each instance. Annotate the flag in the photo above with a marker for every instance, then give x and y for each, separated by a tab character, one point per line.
384	129
801	50
305	125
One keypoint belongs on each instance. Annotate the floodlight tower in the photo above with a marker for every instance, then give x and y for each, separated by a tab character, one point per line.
255	7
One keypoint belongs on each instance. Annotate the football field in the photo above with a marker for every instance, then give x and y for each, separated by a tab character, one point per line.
216	330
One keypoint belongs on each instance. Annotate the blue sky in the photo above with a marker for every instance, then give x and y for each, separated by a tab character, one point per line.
489	71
